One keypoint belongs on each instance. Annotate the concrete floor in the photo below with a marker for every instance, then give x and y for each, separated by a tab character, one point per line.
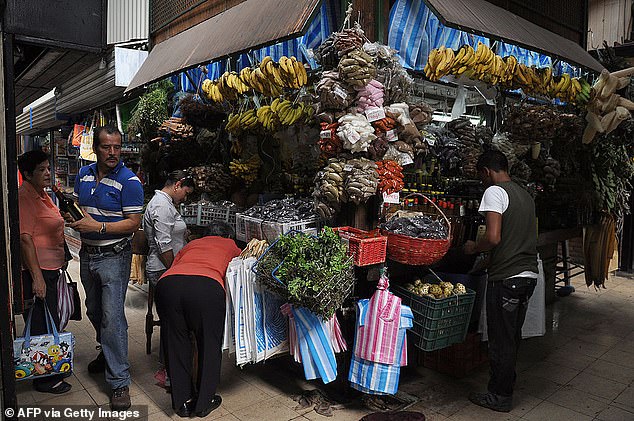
582	369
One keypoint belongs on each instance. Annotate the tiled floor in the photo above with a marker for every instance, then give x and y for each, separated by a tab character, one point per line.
583	369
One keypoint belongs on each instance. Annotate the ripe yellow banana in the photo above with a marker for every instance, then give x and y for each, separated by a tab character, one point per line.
264	62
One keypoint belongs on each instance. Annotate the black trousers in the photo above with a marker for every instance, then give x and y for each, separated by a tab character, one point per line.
38	321
507	302
193	304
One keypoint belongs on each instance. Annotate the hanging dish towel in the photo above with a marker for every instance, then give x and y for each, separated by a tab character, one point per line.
377	378
315	345
259	329
378	330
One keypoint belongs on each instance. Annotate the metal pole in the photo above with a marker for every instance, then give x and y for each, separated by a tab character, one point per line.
9	224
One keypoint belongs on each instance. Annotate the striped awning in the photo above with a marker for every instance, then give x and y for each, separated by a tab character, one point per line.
322	25
415	29
38	117
250	24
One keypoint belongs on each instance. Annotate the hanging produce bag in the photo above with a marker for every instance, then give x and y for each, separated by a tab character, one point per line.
85	149
78	132
377	334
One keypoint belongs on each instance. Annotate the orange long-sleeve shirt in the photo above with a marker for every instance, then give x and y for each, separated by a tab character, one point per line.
207	256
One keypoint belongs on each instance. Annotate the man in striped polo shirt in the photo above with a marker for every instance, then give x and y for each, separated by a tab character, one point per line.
112	199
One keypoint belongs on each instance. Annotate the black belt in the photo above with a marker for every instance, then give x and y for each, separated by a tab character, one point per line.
116	247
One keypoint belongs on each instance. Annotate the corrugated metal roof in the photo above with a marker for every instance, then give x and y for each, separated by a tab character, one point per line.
481	17
252	24
128	20
39	117
89	89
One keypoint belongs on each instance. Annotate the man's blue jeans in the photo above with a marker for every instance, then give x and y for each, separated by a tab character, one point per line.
105	277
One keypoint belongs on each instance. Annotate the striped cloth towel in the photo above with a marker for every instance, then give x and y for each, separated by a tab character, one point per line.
336	337
315	343
378	330
293	343
377	378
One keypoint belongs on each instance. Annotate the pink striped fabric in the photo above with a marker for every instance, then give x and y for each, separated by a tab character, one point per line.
404	353
378	333
293	343
336	337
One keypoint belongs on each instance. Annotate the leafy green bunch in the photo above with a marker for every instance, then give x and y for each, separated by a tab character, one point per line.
151	111
316	270
613	169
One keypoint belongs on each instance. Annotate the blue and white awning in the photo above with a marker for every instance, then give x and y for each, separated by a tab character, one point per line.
414	31
322	25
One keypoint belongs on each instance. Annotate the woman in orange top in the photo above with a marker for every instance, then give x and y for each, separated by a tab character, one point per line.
190	297
42	250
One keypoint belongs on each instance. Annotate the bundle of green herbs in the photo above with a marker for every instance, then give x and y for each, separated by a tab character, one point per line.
151	111
315	271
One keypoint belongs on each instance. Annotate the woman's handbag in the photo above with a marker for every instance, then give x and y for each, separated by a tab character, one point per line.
43	355
68	301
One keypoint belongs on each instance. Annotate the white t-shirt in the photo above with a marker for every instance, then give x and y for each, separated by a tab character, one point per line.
496	199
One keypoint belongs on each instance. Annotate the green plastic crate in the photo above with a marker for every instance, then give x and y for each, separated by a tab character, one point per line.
438	323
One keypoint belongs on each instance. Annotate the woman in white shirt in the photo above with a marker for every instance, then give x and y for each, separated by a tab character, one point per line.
166	233
163	225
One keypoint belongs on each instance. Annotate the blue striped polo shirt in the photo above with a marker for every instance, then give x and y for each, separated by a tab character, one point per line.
117	194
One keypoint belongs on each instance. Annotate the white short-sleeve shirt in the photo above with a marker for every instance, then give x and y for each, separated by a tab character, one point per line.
496	199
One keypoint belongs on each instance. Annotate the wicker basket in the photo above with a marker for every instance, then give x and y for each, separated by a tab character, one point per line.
417	251
366	247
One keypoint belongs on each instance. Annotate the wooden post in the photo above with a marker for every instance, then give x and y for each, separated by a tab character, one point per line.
9	223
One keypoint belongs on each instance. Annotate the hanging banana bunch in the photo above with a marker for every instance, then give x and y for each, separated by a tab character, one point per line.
268	78
246	170
483	64
290	113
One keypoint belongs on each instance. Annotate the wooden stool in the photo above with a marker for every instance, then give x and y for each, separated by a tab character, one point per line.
140	247
150	323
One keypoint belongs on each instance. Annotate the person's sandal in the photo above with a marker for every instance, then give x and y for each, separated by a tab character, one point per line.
57	389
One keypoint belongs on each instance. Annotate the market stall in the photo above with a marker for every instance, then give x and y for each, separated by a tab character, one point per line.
286	151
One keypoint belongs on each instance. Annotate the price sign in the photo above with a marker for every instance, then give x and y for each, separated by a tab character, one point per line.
405	159
392	197
325	134
340	93
352	135
431	141
374	114
391	135
348	167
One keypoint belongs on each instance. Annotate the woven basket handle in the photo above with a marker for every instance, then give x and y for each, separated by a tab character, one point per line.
437	208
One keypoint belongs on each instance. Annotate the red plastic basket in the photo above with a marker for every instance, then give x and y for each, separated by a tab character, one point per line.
418	251
366	247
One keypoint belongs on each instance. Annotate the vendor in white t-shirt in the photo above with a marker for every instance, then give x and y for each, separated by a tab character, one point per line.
511	240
